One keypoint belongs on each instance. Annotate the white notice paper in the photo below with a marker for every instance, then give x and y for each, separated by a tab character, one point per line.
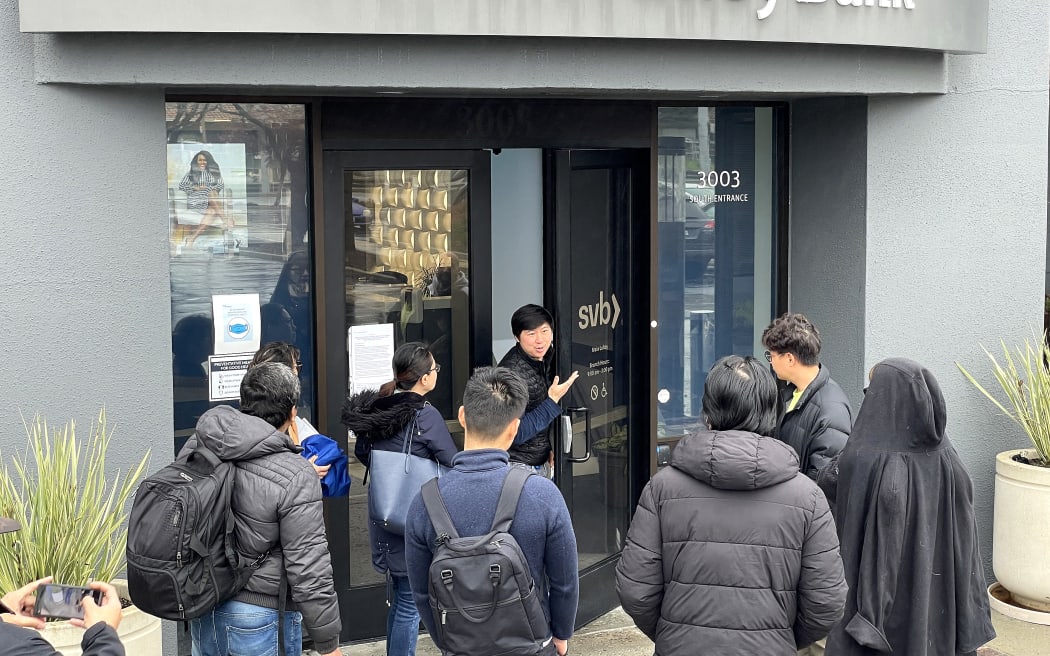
224	376
237	323
371	350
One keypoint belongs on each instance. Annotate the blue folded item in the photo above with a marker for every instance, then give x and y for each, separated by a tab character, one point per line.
336	483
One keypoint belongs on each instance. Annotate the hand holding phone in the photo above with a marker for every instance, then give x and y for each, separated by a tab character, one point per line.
63	601
108	610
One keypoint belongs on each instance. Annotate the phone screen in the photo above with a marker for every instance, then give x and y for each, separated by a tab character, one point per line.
54	600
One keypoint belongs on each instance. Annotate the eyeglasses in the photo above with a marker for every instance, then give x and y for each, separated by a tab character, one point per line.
299	365
769	357
436	369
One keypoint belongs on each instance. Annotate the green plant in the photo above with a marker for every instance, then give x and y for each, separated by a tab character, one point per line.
1025	380
73	517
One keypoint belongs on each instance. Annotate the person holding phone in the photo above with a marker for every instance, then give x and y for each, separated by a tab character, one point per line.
17	620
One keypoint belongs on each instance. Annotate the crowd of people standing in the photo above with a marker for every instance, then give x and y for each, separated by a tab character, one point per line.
780	524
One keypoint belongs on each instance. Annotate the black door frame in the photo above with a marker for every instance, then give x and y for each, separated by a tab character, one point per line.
597	582
364	609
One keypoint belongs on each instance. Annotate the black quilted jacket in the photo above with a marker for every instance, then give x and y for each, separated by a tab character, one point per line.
819	425
538	376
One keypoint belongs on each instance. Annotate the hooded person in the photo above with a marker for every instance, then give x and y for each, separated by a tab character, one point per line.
732	550
904	508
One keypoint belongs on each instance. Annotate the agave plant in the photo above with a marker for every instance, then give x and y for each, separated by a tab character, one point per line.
73	517
1024	379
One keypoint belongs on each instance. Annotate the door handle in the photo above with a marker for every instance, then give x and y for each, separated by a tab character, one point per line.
567	433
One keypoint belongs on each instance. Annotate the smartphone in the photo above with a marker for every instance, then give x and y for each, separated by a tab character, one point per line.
63	601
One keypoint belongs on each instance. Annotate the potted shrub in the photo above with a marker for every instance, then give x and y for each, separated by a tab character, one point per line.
1020	531
73	524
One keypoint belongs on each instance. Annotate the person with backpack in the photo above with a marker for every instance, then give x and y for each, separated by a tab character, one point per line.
397	418
277	513
501	575
324	453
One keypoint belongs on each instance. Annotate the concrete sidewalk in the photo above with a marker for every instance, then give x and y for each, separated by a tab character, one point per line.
612	634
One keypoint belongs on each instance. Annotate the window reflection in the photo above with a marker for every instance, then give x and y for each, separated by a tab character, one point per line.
407	264
238	214
715	187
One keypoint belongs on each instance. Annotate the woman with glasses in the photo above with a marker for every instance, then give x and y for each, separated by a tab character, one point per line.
384	420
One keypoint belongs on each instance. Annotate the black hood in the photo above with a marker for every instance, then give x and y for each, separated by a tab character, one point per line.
373	417
903	409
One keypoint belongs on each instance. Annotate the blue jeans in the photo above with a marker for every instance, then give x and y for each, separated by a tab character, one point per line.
402	620
234	628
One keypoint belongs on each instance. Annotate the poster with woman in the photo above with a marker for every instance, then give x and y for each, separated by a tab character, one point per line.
207	197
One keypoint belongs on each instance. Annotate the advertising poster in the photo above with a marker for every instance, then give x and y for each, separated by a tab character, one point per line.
371	348
224	376
207	197
237	323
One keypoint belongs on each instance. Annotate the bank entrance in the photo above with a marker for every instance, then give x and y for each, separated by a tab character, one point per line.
648	230
435	235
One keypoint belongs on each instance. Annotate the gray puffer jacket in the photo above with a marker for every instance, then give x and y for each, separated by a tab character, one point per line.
732	551
277	507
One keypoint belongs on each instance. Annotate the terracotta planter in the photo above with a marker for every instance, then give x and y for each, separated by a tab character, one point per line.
139	632
1020	532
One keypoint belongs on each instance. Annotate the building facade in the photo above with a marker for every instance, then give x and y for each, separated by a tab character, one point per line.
666	177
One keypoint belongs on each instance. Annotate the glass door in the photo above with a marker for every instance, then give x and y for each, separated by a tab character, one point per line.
397	266
598	250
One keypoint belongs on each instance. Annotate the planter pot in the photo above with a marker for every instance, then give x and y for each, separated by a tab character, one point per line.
139	632
1020	532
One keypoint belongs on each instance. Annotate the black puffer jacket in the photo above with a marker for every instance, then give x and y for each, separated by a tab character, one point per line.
277	508
537	376
819	425
731	551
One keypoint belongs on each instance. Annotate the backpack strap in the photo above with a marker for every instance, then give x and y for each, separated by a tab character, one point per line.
513	484
207	455
439	516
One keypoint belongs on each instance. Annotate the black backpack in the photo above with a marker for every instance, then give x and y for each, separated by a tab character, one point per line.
182	559
482	594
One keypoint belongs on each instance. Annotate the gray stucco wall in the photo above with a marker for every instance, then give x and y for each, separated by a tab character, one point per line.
828	198
957	226
84	273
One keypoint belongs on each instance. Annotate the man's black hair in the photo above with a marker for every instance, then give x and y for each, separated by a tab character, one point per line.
492	399
529	317
269	391
793	333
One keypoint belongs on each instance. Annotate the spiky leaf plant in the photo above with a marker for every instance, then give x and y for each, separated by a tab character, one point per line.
1024	379
73	517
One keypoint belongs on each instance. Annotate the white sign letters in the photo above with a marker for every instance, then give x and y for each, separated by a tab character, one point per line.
767	11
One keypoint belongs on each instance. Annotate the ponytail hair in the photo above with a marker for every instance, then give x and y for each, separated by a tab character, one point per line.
412	361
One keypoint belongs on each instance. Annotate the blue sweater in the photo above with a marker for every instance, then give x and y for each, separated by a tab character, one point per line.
541	526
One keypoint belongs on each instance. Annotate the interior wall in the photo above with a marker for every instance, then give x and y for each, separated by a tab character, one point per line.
517	239
826	262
